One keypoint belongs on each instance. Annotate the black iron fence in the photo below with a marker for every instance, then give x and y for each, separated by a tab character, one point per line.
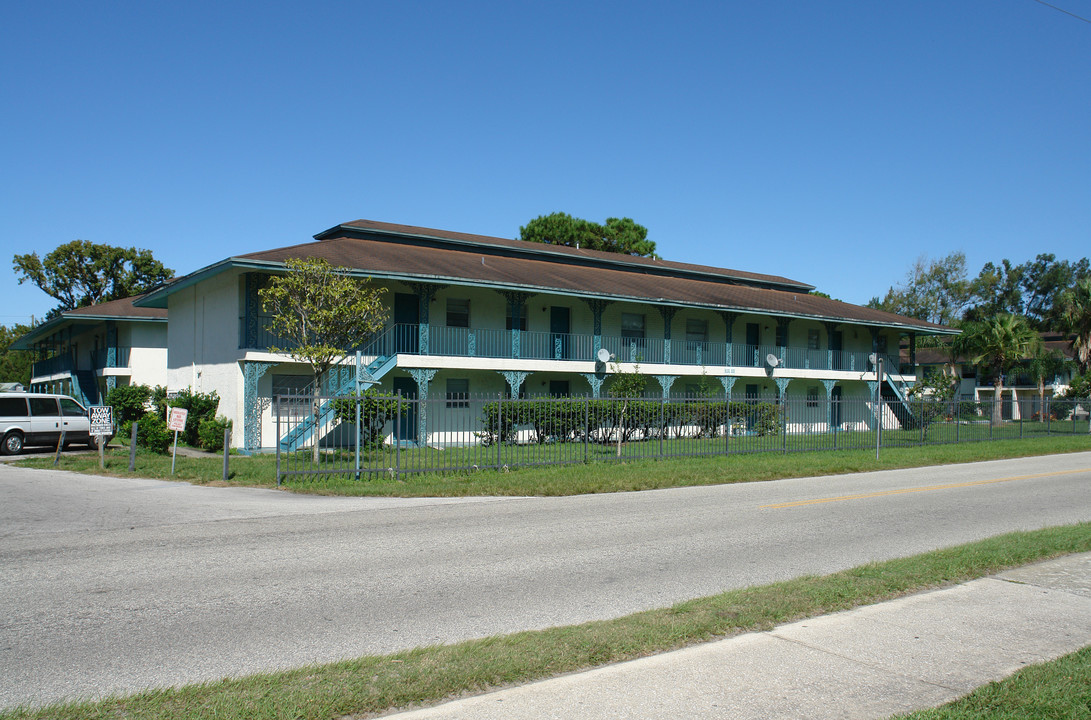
399	435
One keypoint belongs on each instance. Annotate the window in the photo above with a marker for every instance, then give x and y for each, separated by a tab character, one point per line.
71	408
558	388
696	330
458	393
632	326
782	334
522	318
458	313
297	386
46	407
13	407
812	339
812	397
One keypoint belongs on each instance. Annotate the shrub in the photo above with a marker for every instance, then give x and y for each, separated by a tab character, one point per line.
375	412
210	433
201	406
130	402
151	433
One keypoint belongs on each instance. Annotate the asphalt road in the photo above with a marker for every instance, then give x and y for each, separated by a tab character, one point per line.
111	585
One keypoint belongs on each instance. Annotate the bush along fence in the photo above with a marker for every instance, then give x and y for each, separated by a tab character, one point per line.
364	436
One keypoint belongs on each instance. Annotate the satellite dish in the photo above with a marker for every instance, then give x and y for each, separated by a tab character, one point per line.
873	359
772	360
603	355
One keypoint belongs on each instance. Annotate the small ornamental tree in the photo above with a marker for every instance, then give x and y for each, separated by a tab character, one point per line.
625	386
322	312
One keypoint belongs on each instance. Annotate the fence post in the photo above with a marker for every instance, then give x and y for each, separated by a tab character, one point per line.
397	439
784	421
662	407
132	449
227	450
499	428
276	412
1048	413
586	427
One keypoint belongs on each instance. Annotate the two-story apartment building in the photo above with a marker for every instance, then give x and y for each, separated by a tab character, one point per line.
90	350
470	314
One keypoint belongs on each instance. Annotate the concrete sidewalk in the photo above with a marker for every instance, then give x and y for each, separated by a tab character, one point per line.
907	654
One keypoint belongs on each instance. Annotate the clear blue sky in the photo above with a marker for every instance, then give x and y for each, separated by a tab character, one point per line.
832	142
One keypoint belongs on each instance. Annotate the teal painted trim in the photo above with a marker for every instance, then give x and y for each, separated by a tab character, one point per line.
423	378
782	385
252	409
595	382
728	383
665	381
515	379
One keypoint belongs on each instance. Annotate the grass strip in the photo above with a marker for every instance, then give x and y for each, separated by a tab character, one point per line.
377	684
1057	690
575	479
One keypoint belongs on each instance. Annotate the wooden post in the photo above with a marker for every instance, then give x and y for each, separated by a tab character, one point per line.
132	449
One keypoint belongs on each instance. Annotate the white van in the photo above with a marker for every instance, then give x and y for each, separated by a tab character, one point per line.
28	419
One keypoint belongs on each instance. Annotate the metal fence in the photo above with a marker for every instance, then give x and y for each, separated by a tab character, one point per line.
399	435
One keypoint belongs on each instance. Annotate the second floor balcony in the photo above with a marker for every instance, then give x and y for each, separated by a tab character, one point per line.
445	341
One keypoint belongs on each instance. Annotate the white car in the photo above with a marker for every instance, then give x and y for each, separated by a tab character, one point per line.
28	419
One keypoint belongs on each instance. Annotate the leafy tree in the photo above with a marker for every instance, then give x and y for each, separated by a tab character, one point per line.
996	345
130	402
617	235
82	273
323	313
1033	289
15	365
1075	313
936	291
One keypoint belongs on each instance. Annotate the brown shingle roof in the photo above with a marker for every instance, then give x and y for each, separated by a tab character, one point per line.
558	270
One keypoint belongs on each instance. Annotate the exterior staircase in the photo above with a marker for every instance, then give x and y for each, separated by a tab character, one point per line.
895	394
85	387
337	383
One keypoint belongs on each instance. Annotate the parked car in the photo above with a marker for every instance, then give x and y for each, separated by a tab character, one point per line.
29	419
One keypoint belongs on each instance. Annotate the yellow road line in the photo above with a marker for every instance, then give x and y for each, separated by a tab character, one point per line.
817	501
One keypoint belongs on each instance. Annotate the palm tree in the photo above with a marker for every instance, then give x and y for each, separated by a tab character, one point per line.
1076	311
997	344
1042	365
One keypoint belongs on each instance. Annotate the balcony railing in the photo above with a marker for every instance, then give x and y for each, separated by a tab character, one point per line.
100	359
53	366
441	340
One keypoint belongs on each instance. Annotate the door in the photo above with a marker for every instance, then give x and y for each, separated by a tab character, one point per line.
835	346
752	341
405	427
559	328
406	320
45	421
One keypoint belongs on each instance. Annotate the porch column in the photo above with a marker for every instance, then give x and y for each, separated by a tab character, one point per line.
829	385
515	380
831	328
782	385
913	350
111	344
782	330
252	310
516	300
422	377
873	388
729	319
251	404
728	383
597	307
665	381
426	293
596	383
668	315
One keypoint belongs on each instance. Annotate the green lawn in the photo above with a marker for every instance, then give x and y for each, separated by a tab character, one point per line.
1058	690
607	475
375	684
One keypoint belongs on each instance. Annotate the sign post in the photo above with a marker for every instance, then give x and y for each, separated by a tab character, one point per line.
176	421
102	426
